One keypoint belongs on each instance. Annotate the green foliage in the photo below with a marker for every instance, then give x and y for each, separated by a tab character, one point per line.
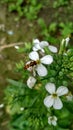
17	96
66	28
55	30
26	105
46	31
32	9
28	8
58	3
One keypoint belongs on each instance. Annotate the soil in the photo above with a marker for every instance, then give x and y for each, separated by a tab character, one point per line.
12	31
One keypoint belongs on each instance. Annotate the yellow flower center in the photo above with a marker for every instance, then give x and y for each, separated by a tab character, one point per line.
38	61
54	95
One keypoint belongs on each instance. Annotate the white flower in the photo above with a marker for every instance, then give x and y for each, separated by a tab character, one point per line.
40	68
1	105
22	108
41	45
16	47
52	120
31	82
53	99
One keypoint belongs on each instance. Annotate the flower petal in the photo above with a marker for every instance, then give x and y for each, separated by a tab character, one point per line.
31	82
54	123
62	90
48	59
53	49
35	49
48	101
55	118
36	41
50	87
43	44
57	103
37	46
34	55
49	121
41	70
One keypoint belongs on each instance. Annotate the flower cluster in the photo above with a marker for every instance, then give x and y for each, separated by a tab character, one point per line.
38	65
39	60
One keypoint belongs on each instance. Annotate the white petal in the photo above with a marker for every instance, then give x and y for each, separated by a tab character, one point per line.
55	118
36	41
49	121
50	87
43	44
34	55
48	59
54	122
53	49
31	82
48	101
35	49
41	70
37	46
57	103
62	90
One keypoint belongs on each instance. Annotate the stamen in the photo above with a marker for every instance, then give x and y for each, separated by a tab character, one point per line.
38	61
54	95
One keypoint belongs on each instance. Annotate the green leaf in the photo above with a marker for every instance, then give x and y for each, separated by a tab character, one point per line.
15	83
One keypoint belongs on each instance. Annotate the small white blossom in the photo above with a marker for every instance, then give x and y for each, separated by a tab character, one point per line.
53	99
41	45
1	105
16	47
22	108
40	68
52	120
31	82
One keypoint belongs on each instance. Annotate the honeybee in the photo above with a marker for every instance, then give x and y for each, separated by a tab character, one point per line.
31	64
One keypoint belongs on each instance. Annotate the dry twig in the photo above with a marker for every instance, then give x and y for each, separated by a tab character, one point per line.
10	45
